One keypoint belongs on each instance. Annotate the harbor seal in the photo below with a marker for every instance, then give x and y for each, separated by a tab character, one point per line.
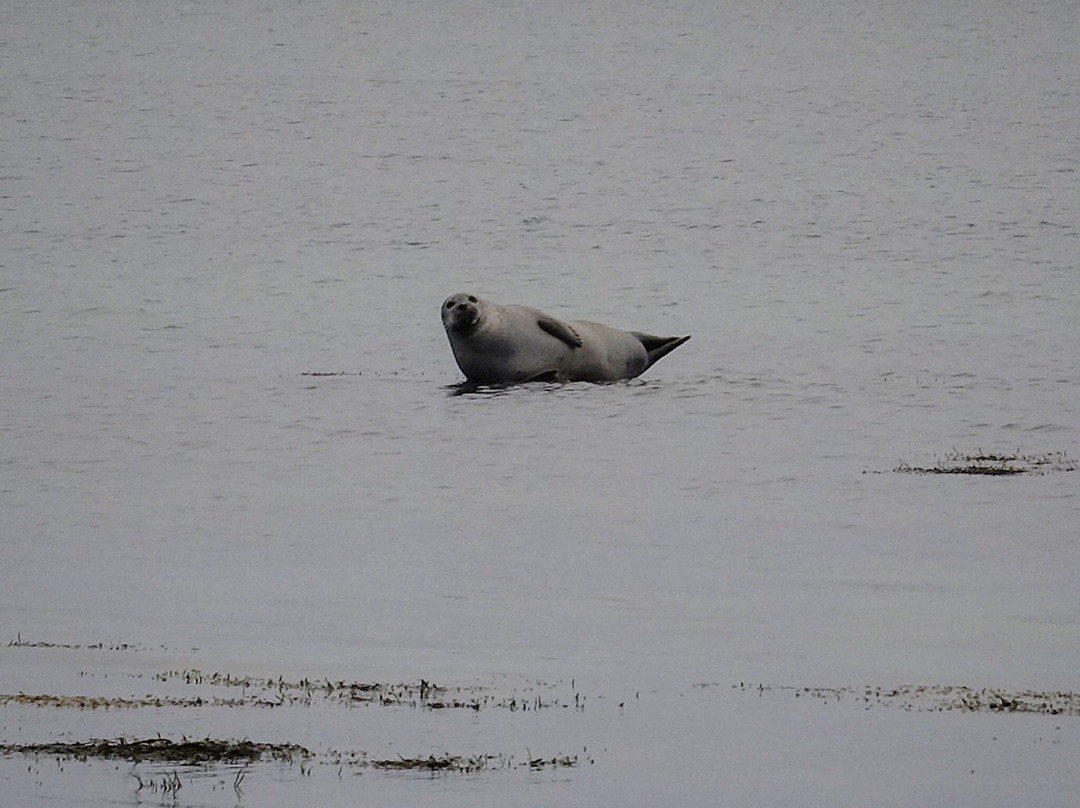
499	344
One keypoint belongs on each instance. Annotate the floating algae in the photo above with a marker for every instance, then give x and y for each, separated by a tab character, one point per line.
937	698
210	751
270	692
993	464
460	763
18	642
164	750
199	689
113	702
192	689
423	694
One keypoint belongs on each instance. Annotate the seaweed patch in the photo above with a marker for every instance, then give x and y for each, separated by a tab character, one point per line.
473	763
164	750
19	642
935	698
253	691
160	764
211	751
994	464
423	694
113	702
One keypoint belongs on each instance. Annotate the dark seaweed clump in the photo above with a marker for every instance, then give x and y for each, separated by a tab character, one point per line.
164	750
211	751
474	763
994	464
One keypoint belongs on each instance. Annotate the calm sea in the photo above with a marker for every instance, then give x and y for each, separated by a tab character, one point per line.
228	439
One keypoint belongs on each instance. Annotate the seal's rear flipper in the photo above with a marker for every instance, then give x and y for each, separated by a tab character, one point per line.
658	347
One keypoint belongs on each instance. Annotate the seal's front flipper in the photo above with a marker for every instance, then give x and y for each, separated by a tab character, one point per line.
559	330
658	347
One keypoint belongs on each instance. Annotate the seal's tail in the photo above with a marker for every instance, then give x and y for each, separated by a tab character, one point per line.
658	347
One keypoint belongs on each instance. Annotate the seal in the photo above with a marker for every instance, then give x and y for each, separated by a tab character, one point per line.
504	344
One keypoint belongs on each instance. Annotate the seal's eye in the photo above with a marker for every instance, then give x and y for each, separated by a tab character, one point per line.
472	299
449	304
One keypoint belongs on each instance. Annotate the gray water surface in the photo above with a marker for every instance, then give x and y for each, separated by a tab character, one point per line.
867	216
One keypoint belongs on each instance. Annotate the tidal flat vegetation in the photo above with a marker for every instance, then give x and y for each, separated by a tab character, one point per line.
993	464
935	698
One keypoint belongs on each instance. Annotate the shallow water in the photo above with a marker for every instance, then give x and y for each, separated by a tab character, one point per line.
866	217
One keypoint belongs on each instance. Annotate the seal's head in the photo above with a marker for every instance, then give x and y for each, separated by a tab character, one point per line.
461	313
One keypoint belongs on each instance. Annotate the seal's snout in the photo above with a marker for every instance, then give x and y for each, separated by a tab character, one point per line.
461	312
466	316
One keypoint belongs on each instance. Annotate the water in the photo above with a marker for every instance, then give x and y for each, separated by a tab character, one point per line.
866	216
